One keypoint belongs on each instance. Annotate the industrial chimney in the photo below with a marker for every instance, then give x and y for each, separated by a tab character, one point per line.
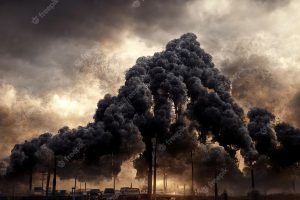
30	180
216	188
150	169
48	182
252	179
54	178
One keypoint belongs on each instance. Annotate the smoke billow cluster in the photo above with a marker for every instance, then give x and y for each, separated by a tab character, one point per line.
180	98
115	133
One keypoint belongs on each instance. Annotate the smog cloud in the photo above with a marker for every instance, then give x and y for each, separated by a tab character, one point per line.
252	52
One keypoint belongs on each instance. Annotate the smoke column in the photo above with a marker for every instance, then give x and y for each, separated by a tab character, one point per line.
180	98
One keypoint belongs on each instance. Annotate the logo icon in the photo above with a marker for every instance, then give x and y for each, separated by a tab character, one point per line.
35	20
136	4
161	147
61	164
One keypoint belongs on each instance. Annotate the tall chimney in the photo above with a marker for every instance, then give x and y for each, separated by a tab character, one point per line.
294	185
150	169
216	188
54	178
43	179
166	182
252	179
30	180
192	187
155	165
113	171
48	182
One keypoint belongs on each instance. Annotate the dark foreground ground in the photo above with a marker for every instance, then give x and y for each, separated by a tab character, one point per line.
136	197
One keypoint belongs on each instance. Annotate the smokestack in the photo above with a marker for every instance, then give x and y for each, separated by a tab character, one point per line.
43	177
192	187
294	185
48	182
166	182
252	179
30	180
150	171
84	186
155	165
113	173
216	188
54	178
75	182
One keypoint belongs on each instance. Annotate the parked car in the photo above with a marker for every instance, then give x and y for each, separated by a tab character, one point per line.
108	194
94	194
61	192
38	191
129	191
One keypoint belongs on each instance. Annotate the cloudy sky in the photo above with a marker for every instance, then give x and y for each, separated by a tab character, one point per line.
59	57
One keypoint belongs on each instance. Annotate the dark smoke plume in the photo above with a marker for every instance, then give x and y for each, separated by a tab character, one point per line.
180	98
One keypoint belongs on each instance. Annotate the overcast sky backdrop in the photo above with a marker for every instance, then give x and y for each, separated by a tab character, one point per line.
59	57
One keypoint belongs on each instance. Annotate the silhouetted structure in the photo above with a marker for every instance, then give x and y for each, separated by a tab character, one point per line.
54	178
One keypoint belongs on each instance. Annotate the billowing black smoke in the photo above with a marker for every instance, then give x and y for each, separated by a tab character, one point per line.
178	97
112	132
191	102
261	130
280	142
